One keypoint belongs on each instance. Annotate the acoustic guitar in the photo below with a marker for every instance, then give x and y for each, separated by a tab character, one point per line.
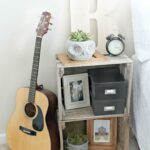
33	125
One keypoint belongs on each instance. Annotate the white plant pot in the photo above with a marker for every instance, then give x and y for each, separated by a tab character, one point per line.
77	147
80	50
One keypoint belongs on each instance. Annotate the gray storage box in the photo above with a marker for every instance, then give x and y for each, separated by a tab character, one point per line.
107	107
107	83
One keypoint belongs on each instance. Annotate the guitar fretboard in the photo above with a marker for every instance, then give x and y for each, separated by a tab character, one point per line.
35	68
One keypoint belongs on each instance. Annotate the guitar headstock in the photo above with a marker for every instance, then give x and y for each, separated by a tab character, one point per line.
43	24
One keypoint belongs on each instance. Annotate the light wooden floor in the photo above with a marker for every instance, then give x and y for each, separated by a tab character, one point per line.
133	145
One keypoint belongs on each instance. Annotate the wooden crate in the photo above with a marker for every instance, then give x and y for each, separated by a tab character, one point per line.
66	66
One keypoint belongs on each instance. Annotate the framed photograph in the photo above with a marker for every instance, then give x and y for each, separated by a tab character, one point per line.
76	91
102	133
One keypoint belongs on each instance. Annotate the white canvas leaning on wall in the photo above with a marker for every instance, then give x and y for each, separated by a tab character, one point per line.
100	18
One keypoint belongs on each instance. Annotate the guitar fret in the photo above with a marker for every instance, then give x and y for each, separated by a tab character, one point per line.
33	76
34	73
33	87
32	93
35	69
36	61
33	79
35	66
37	52
38	42
33	84
38	47
36	57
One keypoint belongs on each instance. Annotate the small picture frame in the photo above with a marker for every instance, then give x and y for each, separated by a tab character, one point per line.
102	133
76	91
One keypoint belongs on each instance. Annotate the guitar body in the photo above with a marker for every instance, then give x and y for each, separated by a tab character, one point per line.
19	140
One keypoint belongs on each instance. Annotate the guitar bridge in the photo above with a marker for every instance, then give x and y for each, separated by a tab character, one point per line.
27	131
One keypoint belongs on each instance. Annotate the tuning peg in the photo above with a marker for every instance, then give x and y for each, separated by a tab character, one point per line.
51	23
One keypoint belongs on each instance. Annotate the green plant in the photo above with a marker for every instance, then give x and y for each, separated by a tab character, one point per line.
80	36
77	139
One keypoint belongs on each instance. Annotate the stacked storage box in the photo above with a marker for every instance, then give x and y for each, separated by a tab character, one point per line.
108	90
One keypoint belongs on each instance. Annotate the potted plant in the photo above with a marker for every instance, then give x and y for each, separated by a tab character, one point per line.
76	141
80	46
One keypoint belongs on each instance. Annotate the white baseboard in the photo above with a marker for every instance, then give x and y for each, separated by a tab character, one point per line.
2	138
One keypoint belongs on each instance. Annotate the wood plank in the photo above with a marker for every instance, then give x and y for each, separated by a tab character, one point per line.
97	148
129	78
123	133
59	94
85	114
66	61
97	59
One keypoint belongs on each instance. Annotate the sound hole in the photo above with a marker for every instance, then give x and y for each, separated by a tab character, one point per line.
30	110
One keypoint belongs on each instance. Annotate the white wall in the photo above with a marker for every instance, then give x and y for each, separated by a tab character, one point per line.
17	36
19	19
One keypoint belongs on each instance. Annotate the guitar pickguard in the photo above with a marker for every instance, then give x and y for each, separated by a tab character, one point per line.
38	122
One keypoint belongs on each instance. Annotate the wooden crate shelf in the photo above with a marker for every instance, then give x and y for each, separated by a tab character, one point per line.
66	66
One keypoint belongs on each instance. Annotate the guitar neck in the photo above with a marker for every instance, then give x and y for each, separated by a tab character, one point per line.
35	68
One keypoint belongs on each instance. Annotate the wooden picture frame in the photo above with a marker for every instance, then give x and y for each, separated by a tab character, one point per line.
102	133
76	91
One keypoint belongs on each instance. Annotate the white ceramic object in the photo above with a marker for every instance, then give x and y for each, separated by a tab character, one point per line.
77	147
80	50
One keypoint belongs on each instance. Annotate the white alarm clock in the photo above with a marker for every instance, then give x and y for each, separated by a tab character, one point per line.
115	44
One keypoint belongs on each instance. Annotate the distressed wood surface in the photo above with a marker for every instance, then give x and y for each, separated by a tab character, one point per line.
123	133
59	94
85	114
66	61
98	59
129	78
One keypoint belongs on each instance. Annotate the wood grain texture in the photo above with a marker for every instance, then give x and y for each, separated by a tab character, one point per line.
123	133
98	59
16	139
66	61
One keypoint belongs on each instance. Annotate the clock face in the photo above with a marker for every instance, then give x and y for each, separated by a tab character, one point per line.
115	47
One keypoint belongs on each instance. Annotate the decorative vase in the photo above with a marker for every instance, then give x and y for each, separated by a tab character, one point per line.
83	146
80	50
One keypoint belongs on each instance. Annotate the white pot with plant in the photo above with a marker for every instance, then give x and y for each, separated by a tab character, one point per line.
76	141
80	46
